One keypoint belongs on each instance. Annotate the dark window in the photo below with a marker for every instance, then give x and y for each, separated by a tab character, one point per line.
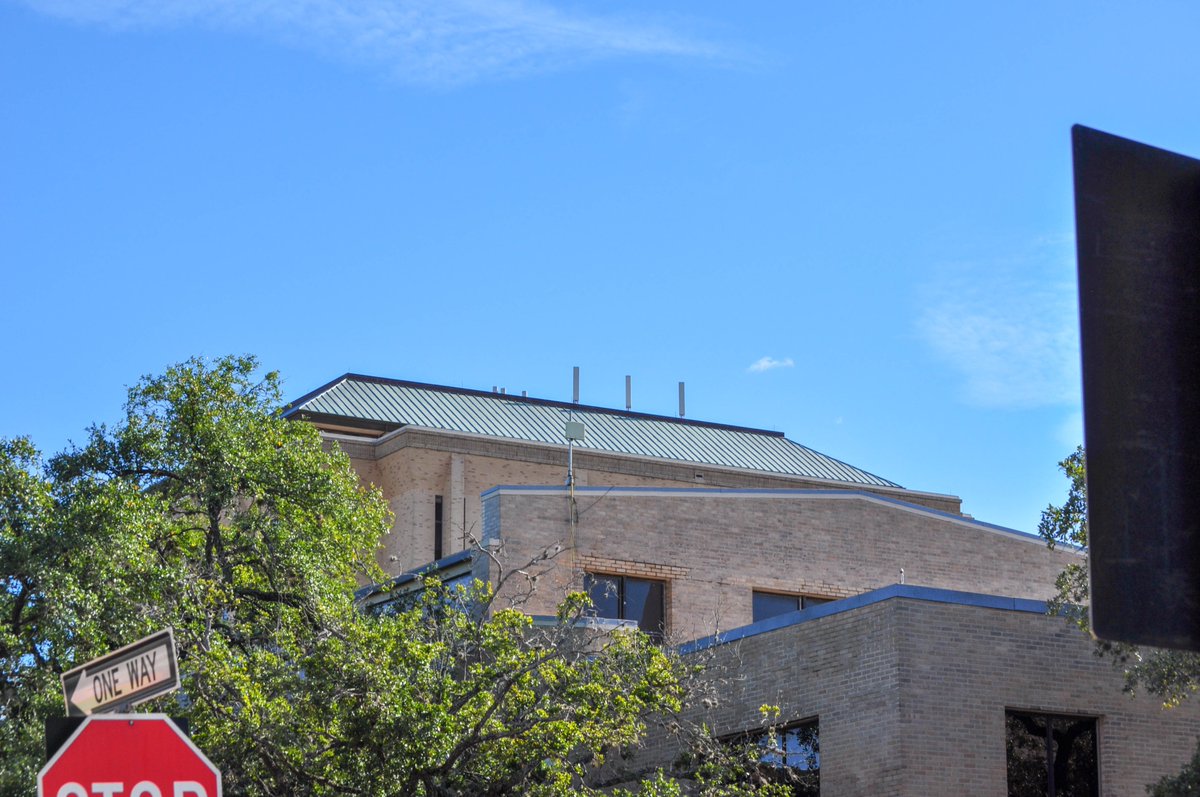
769	604
790	756
437	527
1051	756
628	598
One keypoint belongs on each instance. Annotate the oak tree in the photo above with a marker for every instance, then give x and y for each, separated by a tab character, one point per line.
205	510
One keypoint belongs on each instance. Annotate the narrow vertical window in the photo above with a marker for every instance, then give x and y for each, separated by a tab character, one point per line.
437	527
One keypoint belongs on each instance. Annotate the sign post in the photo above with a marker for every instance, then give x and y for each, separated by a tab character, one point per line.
122	679
130	755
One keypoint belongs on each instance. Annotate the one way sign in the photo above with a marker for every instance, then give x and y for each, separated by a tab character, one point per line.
124	678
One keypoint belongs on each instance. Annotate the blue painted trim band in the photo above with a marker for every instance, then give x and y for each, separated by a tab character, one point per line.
928	594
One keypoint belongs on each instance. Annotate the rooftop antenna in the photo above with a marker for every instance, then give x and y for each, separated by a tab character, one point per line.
681	399
574	433
628	392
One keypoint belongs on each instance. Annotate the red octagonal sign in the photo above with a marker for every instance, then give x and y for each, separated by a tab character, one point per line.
129	755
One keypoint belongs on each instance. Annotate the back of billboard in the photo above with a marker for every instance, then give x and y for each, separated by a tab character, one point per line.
1137	217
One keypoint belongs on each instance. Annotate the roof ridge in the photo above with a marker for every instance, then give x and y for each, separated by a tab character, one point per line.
383	404
296	405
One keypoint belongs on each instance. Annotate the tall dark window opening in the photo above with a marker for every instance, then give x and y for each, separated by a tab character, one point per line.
437	528
1051	756
629	598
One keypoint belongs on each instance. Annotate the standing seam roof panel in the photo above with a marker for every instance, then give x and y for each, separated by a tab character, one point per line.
519	418
374	401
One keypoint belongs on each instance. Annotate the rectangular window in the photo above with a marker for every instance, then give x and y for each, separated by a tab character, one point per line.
789	756
437	528
1050	755
769	604
629	598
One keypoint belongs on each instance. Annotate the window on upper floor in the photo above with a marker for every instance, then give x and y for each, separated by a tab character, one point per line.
769	604
629	598
1051	755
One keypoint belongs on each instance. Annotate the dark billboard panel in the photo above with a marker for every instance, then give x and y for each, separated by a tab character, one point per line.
1137	217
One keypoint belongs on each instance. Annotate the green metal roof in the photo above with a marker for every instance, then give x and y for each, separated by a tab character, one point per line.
385	404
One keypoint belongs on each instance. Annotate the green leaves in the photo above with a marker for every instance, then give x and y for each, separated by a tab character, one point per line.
491	703
205	510
1067	524
1186	783
1172	675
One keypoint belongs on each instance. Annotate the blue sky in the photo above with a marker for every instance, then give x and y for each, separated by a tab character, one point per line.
848	221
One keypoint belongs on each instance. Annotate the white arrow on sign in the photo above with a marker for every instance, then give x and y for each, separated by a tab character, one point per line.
128	676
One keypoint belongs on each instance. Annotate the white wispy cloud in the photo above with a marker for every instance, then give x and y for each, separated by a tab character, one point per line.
438	42
768	363
1010	328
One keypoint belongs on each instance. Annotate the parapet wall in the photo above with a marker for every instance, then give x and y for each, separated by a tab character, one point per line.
714	548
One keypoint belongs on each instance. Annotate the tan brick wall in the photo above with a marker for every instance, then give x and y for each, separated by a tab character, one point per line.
730	543
414	465
911	697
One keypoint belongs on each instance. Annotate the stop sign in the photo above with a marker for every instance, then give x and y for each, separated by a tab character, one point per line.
129	755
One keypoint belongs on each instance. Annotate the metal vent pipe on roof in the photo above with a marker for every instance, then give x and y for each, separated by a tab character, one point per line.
681	399
628	392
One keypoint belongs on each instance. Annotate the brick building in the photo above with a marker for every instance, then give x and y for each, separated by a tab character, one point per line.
907	640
